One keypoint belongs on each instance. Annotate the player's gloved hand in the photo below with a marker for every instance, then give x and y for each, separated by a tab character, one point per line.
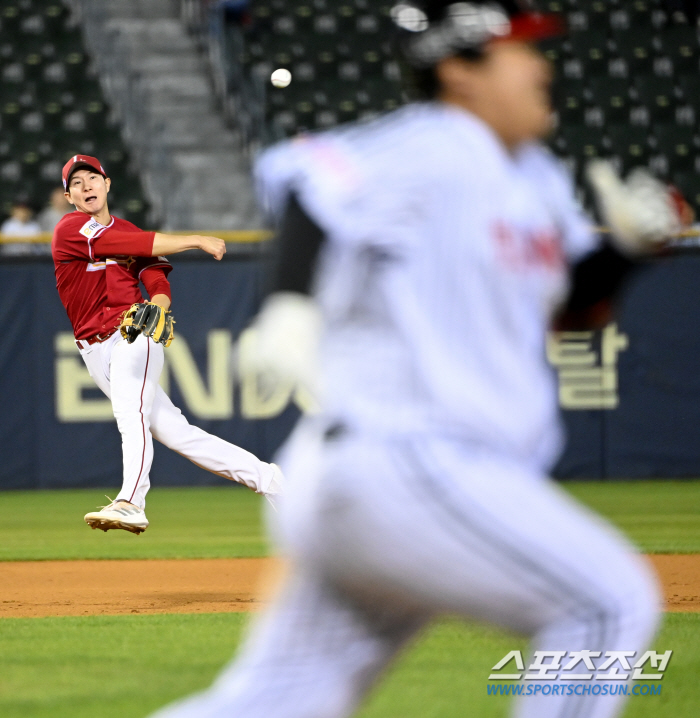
285	340
640	211
149	319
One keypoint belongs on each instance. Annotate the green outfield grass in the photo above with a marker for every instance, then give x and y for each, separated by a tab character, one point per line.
215	522
126	666
209	522
659	516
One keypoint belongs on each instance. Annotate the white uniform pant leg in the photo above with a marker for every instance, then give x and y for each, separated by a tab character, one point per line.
549	567
128	374
312	655
134	373
411	529
171	428
428	523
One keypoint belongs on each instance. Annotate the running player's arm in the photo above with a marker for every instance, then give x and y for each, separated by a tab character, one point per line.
596	281
298	243
599	269
289	324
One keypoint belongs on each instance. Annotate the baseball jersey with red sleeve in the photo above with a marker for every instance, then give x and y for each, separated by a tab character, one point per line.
98	270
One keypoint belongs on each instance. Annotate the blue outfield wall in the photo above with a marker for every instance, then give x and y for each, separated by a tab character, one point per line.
630	394
56	427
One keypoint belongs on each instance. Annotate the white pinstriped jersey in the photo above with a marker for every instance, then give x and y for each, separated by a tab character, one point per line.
445	259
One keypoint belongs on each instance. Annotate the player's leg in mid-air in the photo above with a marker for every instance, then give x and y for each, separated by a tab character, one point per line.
171	428
128	374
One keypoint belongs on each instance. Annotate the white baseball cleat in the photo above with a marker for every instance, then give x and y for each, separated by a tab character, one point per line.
118	514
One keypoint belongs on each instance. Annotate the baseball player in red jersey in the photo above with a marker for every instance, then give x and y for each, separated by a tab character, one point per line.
99	261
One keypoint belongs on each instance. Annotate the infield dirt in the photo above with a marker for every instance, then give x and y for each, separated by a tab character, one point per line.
79	588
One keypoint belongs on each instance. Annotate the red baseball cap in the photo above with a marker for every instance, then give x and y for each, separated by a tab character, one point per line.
76	163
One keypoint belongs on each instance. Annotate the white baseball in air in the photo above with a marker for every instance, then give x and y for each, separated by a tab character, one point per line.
281	77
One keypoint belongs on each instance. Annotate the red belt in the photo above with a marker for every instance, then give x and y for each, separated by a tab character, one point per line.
95	339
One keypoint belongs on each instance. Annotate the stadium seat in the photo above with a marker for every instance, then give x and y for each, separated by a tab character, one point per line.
283	25
305	101
637	48
591	48
283	51
570	99
55	15
555	6
640	12
283	123
630	144
110	149
55	98
678	144
553	50
10	19
584	142
379	95
346	18
612	95
680	43
69	142
349	71
50	172
658	95
595	13
325	24
368	24
689	185
690	88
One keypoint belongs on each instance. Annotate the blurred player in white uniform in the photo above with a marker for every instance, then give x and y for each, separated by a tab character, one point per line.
429	252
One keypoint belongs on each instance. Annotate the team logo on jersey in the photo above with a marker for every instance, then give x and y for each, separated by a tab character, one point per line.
103	264
522	249
90	228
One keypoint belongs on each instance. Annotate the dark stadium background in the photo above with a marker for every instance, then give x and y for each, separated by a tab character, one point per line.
175	100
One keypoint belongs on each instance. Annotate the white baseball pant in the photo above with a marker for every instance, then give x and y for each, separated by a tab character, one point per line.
397	532
128	374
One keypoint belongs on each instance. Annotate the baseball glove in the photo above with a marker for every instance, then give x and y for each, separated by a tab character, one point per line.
149	319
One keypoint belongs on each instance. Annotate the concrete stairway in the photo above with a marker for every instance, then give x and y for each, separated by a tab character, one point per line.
152	70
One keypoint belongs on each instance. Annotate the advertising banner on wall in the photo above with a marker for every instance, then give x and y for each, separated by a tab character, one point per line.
629	394
57	428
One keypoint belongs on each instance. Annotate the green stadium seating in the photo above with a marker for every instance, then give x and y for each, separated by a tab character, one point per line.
658	95
627	77
636	47
678	145
612	95
630	144
51	105
591	48
570	99
584	142
680	42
